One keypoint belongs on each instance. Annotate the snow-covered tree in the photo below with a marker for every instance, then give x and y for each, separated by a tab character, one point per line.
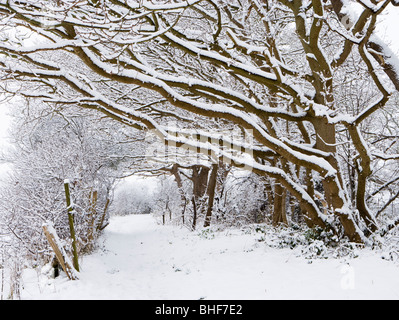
49	148
275	69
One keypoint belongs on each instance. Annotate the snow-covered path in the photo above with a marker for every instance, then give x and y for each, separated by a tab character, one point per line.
143	260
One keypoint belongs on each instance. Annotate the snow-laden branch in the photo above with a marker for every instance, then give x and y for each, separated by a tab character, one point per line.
277	70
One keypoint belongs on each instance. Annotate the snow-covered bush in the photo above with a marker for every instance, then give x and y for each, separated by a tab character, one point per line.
243	200
47	149
310	243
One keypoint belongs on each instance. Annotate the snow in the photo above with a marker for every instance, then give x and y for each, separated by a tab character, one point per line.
57	241
387	28
140	259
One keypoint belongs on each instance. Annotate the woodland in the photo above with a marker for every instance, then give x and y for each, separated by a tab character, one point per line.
269	112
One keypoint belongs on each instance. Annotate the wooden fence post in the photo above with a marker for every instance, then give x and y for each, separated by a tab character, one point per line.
71	224
59	251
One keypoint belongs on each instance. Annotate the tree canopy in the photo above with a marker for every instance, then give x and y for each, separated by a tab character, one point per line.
308	80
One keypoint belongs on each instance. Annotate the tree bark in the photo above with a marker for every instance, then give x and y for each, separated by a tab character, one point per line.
200	182
279	205
332	185
176	174
211	194
71	225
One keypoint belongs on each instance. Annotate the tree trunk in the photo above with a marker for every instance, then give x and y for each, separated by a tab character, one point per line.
71	225
332	185
211	194
176	174
279	206
194	224
200	183
200	180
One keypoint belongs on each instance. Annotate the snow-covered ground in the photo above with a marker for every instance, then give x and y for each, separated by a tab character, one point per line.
140	259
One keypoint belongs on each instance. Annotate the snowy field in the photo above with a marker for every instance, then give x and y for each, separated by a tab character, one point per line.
140	259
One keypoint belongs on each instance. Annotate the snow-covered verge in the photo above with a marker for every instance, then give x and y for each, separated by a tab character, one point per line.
140	259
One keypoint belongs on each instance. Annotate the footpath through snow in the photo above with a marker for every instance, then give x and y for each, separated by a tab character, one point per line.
140	259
